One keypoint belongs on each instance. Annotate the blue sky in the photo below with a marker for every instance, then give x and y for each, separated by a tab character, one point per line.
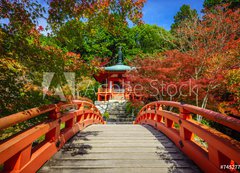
161	12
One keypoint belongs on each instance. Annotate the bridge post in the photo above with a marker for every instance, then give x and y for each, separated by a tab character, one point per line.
71	122
81	106
55	113
185	134
216	157
159	117
168	123
19	160
53	135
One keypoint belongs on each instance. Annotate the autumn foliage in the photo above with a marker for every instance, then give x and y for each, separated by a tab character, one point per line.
198	63
104	11
203	70
24	57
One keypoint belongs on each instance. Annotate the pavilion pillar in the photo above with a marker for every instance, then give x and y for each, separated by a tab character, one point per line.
110	86
98	97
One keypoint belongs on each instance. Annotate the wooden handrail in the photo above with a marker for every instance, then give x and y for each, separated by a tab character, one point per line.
228	121
13	119
17	154
221	149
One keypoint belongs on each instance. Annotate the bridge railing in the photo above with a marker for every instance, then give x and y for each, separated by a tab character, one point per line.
20	153
181	129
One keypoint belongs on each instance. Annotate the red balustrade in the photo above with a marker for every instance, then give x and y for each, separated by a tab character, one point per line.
181	128
17	154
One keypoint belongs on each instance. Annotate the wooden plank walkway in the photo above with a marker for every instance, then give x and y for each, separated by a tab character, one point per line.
119	149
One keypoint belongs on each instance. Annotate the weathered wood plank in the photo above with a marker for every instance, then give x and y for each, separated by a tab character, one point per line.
119	148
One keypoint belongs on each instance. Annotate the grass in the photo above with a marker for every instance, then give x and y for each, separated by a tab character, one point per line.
62	126
200	141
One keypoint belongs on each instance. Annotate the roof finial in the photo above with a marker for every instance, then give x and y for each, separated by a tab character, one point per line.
120	55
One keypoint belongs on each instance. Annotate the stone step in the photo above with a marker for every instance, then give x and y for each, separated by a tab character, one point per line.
116	110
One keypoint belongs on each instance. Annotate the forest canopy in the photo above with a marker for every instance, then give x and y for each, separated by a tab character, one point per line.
84	35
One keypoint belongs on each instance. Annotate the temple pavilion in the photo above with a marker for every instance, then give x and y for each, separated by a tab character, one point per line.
113	81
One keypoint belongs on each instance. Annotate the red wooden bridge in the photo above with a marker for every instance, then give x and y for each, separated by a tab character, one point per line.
158	141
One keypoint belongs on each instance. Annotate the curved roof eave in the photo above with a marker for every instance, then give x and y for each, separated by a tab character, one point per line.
118	67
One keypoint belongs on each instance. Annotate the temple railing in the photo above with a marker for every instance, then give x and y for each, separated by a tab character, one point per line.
112	90
220	151
104	90
20	153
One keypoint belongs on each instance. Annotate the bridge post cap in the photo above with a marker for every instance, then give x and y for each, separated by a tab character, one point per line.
183	110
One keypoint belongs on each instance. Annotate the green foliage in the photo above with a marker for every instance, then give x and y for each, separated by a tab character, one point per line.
70	36
93	41
106	115
132	108
49	41
99	41
105	12
62	125
129	107
26	55
152	38
200	141
185	13
88	88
